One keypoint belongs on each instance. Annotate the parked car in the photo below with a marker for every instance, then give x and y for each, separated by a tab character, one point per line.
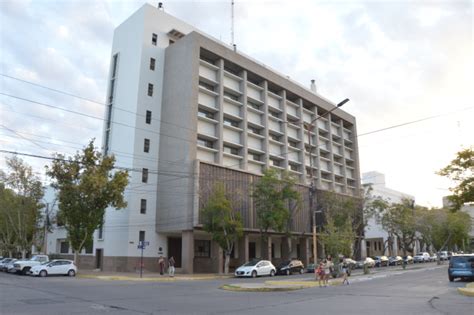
54	267
351	263
408	259
380	261
24	266
434	257
443	255
395	260
421	257
4	262
255	268
310	268
368	261
290	266
10	266
461	266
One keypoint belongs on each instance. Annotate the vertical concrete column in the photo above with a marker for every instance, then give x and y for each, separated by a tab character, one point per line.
355	157
305	250
285	130
302	139
331	154
344	170
285	248
244	123
220	114
363	249
243	249
187	251
195	210
266	134
316	142
395	246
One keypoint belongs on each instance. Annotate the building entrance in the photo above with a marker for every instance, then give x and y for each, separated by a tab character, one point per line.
174	249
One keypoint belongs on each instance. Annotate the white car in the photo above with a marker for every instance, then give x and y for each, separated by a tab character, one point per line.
255	268
369	262
55	267
421	257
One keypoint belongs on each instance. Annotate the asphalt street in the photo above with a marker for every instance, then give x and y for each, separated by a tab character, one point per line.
421	291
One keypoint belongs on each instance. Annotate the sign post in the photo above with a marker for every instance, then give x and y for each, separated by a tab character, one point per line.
142	245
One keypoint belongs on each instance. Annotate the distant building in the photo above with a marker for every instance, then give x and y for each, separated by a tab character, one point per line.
186	111
377	240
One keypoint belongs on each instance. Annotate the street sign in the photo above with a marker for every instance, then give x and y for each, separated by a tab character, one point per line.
142	245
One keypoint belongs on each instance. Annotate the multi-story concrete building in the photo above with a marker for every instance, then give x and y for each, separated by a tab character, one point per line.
377	240
186	111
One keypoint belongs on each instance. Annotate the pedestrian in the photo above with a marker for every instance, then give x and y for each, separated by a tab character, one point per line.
171	263
161	263
345	273
328	266
320	272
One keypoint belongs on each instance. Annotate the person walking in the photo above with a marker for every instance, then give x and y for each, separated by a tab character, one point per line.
171	268
345	272
320	272
161	263
327	270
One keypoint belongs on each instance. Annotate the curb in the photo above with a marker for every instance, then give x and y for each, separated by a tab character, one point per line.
150	279
468	290
276	286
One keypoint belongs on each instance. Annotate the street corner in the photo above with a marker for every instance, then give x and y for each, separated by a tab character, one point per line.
468	290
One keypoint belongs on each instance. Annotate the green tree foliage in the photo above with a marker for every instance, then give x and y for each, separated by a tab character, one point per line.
461	171
20	196
222	222
345	223
86	186
271	194
399	220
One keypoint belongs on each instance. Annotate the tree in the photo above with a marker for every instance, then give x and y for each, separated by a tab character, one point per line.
292	198
22	192
7	233
461	171
337	239
399	220
86	187
271	194
222	222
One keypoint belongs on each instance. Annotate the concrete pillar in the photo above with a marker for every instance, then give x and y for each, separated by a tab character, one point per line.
285	248
187	251
363	249
243	249
305	250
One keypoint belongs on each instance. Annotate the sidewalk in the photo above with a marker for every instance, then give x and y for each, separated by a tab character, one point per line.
146	276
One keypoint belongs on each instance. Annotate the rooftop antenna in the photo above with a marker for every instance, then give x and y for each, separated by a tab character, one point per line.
232	25
160	6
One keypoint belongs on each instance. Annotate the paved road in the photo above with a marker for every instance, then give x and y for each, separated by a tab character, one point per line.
424	291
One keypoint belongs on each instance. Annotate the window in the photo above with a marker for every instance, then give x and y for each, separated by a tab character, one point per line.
293	144
114	65
141	236
100	233
205	142
230	122
148	117
142	206
231	96
150	89
205	113
202	248
152	64
294	167
206	86
89	248
171	42
254	105
254	130
275	137
144	175
146	145
154	39
275	162
256	157
64	247
274	114
231	150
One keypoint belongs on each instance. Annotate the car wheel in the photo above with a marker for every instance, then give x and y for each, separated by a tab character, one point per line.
71	273
254	274
43	273
451	278
272	273
288	272
25	271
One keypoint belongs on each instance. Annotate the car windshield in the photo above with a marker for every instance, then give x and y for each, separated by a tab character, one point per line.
462	259
285	263
419	254
45	263
251	263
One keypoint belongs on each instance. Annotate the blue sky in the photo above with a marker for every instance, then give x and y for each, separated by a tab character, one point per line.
398	61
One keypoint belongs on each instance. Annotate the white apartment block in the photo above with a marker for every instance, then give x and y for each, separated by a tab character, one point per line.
186	111
377	241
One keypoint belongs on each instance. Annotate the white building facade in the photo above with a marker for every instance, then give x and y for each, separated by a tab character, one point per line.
377	241
186	111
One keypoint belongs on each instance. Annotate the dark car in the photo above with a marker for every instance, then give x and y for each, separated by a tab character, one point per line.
290	266
461	266
395	260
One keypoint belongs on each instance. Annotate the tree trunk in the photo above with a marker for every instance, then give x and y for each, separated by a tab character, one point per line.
226	263
290	247
76	256
23	254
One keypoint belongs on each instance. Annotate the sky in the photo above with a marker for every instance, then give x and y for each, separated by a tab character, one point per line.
397	62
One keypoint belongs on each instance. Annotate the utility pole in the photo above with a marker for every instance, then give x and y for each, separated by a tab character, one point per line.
312	188
45	236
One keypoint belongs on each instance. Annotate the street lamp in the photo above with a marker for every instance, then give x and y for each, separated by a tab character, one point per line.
312	189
